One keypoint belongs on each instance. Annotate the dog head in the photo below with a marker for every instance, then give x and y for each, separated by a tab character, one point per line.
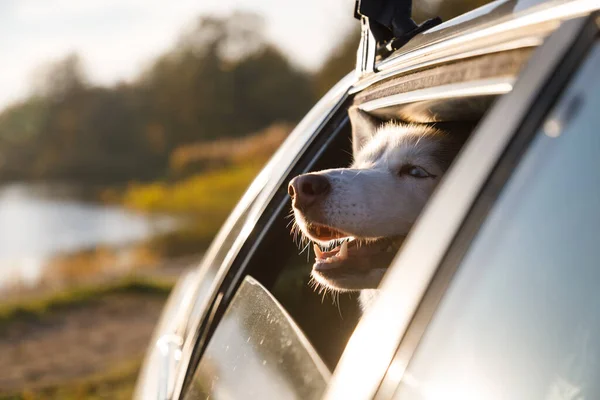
368	209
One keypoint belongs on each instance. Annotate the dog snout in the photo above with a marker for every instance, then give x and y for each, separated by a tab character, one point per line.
307	189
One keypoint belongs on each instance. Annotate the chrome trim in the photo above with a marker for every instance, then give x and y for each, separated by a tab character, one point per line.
156	377
482	87
254	202
373	345
525	29
169	349
520	43
367	49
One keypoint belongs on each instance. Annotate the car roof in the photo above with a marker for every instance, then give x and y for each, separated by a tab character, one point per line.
497	26
491	13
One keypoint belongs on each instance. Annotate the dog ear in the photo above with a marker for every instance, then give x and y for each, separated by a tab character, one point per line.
364	127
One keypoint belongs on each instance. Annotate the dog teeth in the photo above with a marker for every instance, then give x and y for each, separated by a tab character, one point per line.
318	251
343	253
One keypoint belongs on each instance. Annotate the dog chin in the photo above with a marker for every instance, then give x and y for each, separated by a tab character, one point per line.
348	281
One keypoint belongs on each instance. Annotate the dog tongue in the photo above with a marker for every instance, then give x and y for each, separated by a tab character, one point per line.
336	255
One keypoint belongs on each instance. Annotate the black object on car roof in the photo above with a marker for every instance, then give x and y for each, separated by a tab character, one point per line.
391	22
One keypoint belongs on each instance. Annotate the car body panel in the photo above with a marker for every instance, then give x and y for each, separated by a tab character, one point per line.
498	26
490	14
518	291
381	330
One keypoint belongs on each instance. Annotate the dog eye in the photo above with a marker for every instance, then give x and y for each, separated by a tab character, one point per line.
414	171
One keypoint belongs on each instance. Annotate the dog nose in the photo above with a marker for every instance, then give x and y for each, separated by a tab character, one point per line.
308	188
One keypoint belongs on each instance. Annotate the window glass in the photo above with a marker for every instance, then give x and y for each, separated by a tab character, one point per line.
521	318
258	352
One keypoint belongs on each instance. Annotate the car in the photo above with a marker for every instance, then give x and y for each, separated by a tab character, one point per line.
494	293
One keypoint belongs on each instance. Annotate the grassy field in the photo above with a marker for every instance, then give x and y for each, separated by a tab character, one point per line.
214	191
204	201
34	308
84	343
117	383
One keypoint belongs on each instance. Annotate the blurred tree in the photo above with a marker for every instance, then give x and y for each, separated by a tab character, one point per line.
221	80
341	61
20	126
224	79
60	78
267	88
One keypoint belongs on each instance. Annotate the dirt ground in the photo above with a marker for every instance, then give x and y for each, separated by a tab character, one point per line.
76	342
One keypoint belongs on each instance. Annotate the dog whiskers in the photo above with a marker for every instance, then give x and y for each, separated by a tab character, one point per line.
307	253
323	291
336	295
301	241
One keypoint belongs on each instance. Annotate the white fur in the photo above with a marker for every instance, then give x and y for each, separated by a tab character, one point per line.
370	199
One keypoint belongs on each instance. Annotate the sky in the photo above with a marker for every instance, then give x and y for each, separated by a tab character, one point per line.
116	39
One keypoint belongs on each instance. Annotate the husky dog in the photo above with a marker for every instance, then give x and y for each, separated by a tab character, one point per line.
369	208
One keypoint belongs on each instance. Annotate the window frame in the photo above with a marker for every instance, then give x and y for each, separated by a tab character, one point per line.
390	332
227	254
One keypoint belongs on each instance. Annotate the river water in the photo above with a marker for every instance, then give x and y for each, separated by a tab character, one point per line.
36	224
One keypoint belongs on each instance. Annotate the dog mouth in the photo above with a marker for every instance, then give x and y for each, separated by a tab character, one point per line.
324	233
356	254
354	264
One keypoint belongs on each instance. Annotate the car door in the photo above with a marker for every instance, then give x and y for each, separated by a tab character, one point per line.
261	248
495	293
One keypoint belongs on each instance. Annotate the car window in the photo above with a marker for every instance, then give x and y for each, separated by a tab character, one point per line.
258	352
283	265
520	319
